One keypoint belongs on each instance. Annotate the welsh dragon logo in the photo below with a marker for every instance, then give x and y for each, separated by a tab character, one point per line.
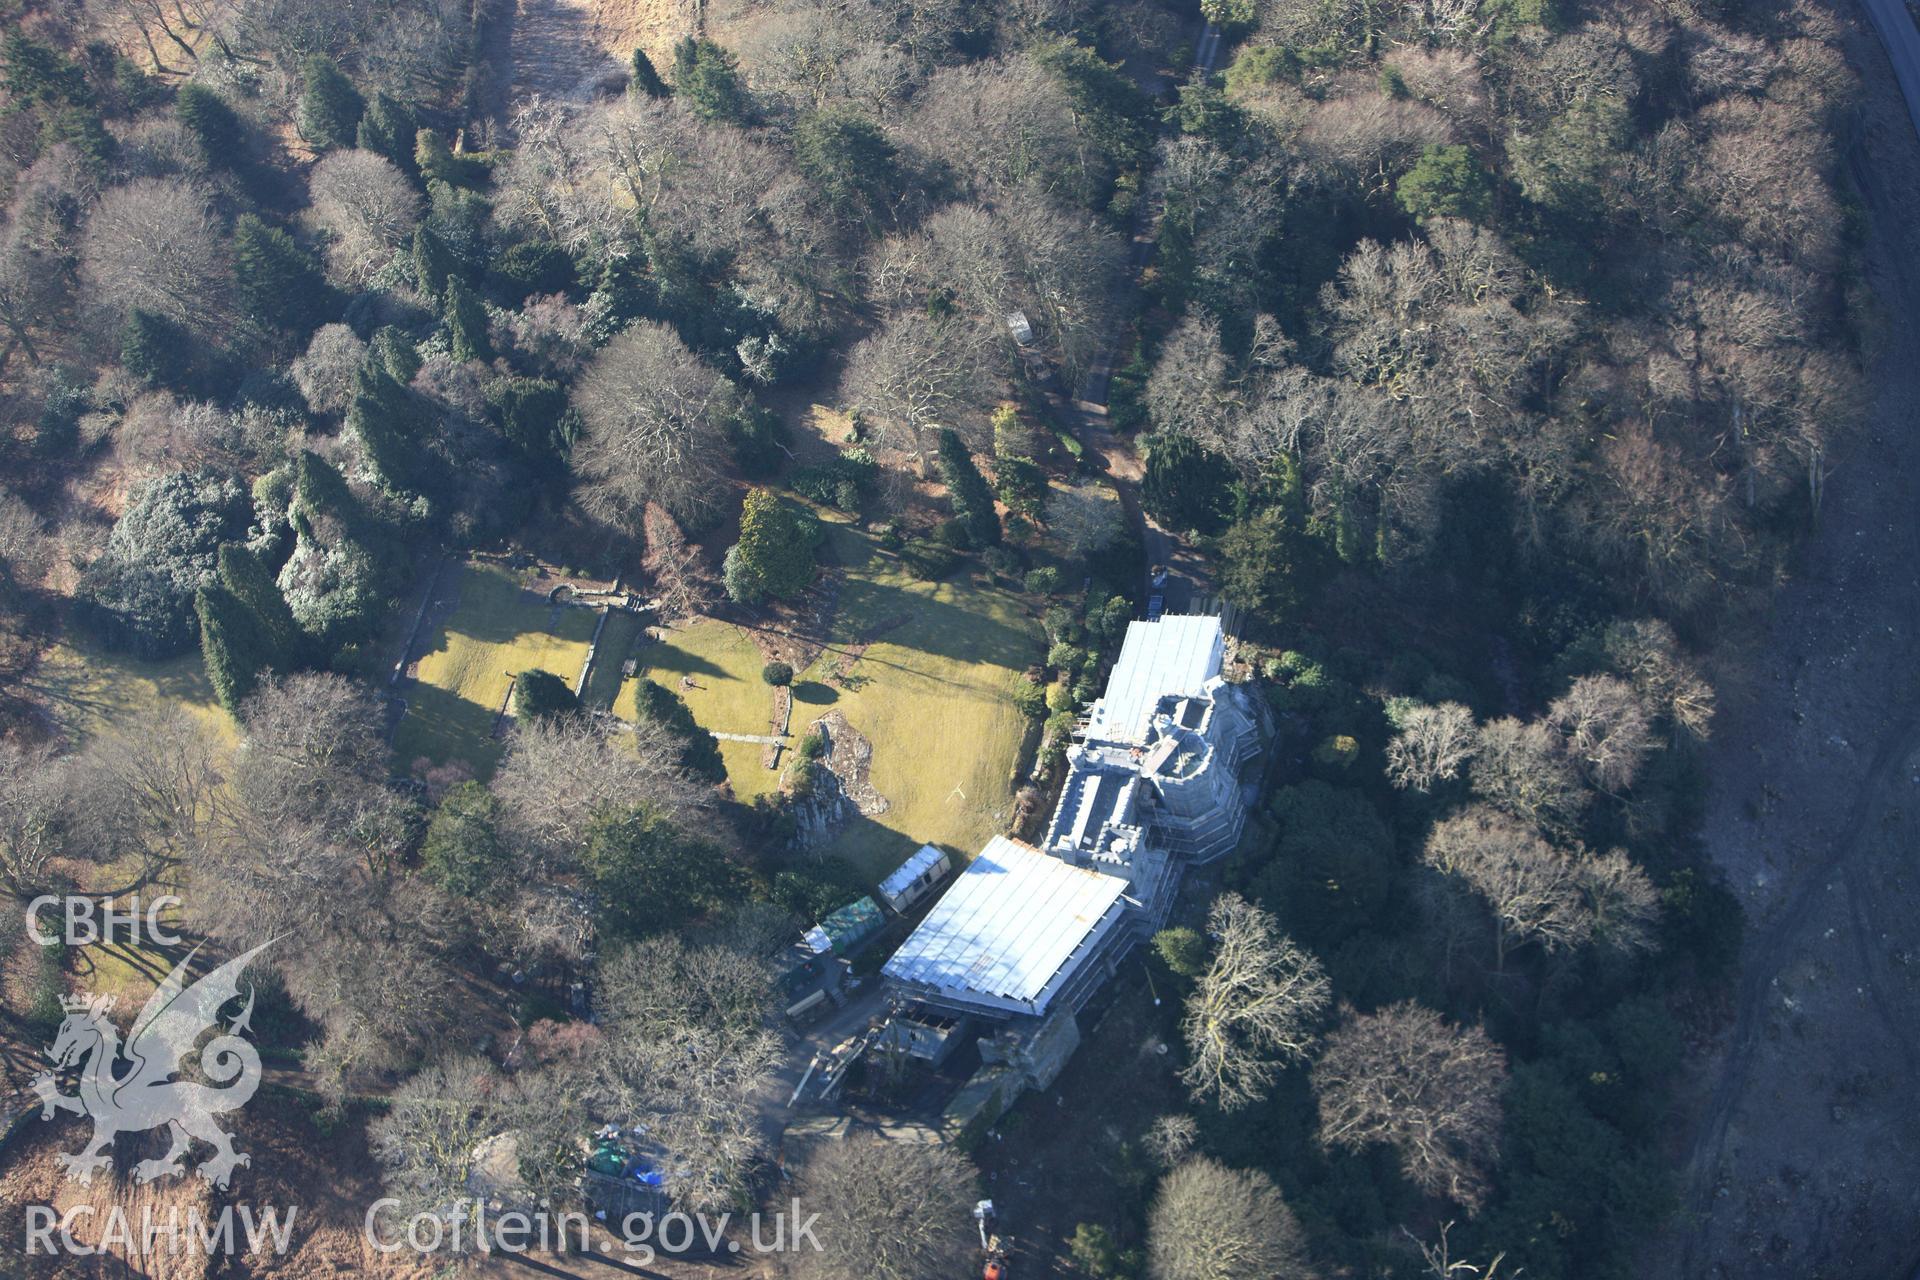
129	1089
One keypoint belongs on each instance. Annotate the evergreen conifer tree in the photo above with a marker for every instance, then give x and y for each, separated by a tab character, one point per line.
397	353
774	556
330	107
967	490
437	163
388	128
706	77
280	283
253	587
381	416
645	79
432	261
156	350
466	322
231	645
214	125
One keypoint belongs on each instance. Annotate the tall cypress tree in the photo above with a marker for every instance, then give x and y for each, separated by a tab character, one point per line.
330	107
387	128
396	352
213	124
968	491
438	163
466	322
432	261
231	645
382	418
156	350
645	79
280	283
249	582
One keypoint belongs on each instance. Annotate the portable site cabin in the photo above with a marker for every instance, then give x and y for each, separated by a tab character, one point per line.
842	931
914	879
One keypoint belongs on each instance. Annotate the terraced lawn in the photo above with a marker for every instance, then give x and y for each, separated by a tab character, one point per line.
497	629
924	670
726	693
616	642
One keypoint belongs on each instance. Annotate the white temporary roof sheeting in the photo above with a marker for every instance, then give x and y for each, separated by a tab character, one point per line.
1009	928
909	871
1175	655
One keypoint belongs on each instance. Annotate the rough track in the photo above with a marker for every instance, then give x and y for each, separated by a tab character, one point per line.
1805	1151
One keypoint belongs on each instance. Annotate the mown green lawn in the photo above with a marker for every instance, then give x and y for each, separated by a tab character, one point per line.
931	690
497	630
726	693
89	688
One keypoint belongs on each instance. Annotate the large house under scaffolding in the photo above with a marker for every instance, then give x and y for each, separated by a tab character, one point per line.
1157	782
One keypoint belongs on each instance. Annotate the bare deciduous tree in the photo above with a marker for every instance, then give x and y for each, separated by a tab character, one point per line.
24	546
584	176
368	209
688	1051
1605	727
655	427
1430	1090
155	244
315	760
31	290
943	352
1648	654
1621	900
1193	389
1000	125
562	773
1171	1138
1209	1222
681	582
917	373
1651	508
42	235
1433	745
1086	518
170	32
1529	884
554	182
1254	1009
150	792
304	850
1368	137
325	372
426	1140
1442	1265
894	1209
32	801
1522	769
